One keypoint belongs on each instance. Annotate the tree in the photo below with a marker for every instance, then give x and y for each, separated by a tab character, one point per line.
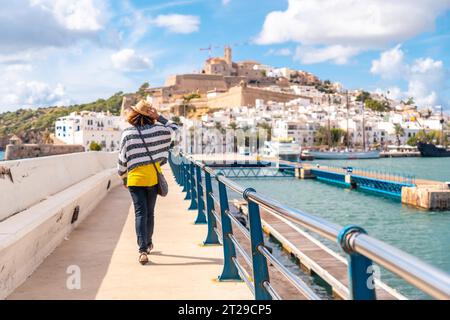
143	88
398	133
363	96
375	105
321	136
337	136
233	126
94	146
266	128
410	101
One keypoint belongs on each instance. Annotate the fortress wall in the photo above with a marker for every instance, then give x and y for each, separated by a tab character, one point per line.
191	82
232	98
250	94
47	192
246	96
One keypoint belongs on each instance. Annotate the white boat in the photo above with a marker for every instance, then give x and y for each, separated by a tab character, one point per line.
282	149
345	155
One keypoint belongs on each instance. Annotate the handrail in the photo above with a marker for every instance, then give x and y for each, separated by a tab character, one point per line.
300	285
418	273
361	249
321	226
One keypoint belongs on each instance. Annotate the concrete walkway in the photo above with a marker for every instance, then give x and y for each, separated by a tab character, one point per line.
104	248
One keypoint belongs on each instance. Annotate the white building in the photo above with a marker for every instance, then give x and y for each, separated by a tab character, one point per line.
300	132
86	127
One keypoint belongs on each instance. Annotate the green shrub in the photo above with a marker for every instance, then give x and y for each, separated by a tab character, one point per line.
94	146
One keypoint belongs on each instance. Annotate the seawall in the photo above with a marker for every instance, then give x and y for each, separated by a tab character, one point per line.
42	200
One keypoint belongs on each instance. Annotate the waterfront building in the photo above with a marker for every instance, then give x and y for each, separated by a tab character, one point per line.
85	127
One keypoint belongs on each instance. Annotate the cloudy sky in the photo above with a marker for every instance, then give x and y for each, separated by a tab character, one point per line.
73	51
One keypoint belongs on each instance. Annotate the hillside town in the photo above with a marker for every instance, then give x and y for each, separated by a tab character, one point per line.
291	105
295	105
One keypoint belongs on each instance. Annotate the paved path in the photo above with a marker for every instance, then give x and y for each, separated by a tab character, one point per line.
104	247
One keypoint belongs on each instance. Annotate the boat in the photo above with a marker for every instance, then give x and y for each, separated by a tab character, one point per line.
345	155
431	150
283	149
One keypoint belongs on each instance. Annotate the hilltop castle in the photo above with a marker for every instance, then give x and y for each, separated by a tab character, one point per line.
223	83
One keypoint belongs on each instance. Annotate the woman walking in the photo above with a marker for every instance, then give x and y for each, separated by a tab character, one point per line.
143	149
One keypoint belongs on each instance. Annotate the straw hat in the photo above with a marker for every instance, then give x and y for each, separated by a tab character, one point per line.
142	107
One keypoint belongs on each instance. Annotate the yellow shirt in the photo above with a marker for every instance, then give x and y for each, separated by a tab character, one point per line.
143	176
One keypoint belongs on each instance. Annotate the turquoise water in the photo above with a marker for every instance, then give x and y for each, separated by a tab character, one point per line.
421	233
2	155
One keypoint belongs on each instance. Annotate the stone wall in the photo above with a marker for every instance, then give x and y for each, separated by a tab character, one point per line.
192	82
246	96
22	151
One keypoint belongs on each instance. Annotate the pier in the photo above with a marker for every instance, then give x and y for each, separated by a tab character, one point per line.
420	193
81	222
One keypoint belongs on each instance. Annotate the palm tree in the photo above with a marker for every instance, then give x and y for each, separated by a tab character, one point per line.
233	126
268	128
398	132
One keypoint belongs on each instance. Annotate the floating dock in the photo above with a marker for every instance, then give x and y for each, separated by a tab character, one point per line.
420	193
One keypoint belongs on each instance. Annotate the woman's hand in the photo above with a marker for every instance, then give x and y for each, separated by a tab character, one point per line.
153	113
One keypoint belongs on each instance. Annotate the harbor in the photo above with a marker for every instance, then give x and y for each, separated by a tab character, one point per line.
271	224
196	210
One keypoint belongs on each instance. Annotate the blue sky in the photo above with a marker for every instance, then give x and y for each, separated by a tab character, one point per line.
73	51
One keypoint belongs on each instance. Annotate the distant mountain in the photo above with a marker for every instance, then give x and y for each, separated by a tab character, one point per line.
34	125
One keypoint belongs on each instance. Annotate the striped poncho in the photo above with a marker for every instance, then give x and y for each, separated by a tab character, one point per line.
132	152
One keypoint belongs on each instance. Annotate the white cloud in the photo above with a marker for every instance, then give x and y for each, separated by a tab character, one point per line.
354	26
80	15
225	2
425	77
37	24
178	23
129	60
390	65
282	52
336	53
33	93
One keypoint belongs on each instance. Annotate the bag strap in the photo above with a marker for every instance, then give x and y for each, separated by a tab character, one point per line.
148	152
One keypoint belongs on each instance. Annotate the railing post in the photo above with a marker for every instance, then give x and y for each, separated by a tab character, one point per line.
259	262
183	175
230	271
201	218
187	179
180	174
175	169
211	237
360	269
193	205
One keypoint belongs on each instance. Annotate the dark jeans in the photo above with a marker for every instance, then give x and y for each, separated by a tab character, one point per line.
144	200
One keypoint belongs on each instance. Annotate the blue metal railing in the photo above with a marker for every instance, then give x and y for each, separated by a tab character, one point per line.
402	178
361	250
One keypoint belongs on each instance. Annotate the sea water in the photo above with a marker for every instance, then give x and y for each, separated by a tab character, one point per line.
424	234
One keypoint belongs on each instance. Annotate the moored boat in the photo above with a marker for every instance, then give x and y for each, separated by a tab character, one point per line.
284	149
431	150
